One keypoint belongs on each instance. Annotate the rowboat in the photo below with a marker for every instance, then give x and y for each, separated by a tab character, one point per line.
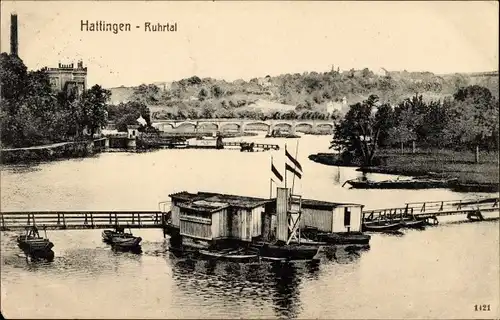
292	251
121	240
401	184
382	226
108	235
126	243
414	224
337	238
35	245
234	256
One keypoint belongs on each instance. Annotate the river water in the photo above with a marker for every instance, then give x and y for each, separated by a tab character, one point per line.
442	272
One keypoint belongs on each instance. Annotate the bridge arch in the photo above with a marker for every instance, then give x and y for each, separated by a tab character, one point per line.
257	126
304	127
186	126
209	126
325	126
229	126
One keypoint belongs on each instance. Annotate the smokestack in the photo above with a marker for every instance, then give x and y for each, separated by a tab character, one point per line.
13	34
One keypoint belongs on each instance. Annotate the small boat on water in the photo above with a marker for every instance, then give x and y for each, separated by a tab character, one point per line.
384	226
34	245
121	240
401	184
414	224
107	235
337	238
292	251
234	255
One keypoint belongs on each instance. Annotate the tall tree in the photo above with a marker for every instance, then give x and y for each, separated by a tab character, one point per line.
93	108
360	129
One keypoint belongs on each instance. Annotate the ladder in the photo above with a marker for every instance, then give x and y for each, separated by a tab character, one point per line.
294	215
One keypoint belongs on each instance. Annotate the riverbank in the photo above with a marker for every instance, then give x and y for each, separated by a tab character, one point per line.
446	164
62	150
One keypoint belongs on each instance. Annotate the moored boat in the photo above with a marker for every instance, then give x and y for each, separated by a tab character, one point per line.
107	235
121	240
336	238
232	255
401	184
292	251
382	226
126	243
35	245
414	224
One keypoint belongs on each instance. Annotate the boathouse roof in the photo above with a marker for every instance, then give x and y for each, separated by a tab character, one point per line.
319	204
232	200
203	205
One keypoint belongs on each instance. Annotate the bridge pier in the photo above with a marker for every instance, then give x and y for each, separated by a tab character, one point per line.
242	127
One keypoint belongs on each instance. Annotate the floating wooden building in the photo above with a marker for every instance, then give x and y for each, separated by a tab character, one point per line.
213	220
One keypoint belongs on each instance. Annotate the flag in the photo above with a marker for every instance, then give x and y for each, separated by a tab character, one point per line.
276	172
295	172
294	161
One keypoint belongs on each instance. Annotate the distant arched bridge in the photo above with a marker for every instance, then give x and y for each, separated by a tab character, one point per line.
291	126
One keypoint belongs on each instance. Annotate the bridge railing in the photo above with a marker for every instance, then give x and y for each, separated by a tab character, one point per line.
82	219
431	207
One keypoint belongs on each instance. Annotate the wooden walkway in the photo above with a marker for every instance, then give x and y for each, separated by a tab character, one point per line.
434	209
54	220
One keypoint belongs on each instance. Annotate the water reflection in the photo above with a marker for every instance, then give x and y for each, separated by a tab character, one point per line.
277	283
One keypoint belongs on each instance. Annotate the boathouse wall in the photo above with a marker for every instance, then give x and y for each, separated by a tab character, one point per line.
175	214
351	225
220	227
318	218
257	214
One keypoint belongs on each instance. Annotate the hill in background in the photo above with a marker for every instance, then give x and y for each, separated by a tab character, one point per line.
309	91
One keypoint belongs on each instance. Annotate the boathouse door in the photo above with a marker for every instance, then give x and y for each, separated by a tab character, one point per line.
347	218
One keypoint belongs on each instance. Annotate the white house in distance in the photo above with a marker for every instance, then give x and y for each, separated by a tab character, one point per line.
339	106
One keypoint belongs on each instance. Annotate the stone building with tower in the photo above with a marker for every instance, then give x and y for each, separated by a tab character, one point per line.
66	77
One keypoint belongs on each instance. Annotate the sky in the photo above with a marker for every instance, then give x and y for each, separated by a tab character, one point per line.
241	40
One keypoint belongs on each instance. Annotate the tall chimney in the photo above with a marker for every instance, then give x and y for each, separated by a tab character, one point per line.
13	34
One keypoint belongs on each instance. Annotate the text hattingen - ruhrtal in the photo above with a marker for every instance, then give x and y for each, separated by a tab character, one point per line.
103	26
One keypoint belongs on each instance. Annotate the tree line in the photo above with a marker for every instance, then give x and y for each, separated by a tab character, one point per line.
32	113
467	120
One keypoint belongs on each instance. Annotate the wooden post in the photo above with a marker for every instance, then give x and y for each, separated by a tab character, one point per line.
477	154
402	147
413	146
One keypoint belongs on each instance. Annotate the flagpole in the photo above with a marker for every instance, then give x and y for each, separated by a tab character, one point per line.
270	188
285	167
271	182
294	166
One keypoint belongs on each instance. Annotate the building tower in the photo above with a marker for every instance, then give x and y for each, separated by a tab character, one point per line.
13	35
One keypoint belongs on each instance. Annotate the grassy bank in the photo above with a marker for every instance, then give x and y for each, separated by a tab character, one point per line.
445	163
440	163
